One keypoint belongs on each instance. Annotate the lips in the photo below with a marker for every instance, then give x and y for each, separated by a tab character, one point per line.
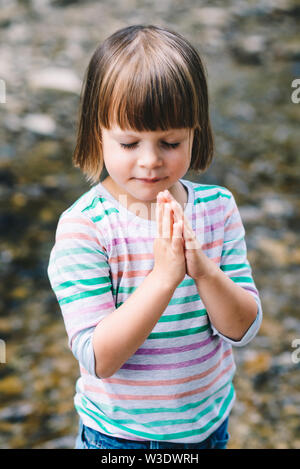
150	180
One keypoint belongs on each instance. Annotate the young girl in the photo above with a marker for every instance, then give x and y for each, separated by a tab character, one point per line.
150	269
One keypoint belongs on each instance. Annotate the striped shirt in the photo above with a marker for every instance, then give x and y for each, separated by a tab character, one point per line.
178	385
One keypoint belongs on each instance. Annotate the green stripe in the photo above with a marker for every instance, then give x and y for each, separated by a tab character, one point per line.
105	212
185	283
181	333
211	197
75	267
242	279
204	187
94	203
161	423
156	410
87	281
85	294
182	316
118	290
184	299
74	251
230	252
168	436
178	301
235	240
227	267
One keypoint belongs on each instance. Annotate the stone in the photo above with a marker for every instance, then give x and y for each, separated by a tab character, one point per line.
54	78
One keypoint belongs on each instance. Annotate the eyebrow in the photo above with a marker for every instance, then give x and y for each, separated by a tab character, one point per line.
126	134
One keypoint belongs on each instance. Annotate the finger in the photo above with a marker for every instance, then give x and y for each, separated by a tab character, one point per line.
190	239
177	231
168	195
160	196
159	216
167	223
178	212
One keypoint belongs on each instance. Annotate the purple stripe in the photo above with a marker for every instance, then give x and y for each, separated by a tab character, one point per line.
139	239
252	289
214	226
173	366
211	211
164	351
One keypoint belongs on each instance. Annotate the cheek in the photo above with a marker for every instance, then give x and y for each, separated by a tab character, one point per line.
179	163
118	165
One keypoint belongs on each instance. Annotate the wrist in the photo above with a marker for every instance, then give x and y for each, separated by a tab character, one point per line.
209	273
164	282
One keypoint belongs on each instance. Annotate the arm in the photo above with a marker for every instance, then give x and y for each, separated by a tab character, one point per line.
79	274
231	309
117	337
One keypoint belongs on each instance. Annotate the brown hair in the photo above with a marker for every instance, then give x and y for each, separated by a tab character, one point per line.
143	78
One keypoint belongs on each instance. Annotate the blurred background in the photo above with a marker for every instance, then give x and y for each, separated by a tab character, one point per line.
252	54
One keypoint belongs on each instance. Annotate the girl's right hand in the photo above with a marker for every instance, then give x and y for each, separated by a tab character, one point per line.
169	258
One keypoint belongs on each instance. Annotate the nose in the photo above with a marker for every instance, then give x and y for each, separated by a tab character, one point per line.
150	158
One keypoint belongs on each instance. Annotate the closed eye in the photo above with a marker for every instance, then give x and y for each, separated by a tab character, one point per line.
128	145
170	145
133	145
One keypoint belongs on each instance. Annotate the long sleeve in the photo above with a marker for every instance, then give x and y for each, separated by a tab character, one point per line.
235	264
79	274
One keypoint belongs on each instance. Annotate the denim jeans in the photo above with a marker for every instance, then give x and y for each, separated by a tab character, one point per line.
89	438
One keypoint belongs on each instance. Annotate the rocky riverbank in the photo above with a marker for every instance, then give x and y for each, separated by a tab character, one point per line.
251	49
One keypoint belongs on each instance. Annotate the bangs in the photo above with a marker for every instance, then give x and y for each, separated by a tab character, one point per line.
143	78
147	91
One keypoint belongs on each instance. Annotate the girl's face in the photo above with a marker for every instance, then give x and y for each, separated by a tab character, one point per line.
132	157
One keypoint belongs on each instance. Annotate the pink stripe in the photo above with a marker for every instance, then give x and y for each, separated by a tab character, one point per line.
130	274
162	397
76	236
233	226
80	221
118	225
131	257
91	309
228	215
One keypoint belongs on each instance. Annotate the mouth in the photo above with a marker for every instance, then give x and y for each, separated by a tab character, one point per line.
150	181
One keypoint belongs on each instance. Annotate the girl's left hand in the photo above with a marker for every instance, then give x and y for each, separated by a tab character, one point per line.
197	263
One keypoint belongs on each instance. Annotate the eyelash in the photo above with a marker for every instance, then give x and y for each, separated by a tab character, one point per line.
129	146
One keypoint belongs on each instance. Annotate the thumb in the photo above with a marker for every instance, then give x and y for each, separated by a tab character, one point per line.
177	239
190	239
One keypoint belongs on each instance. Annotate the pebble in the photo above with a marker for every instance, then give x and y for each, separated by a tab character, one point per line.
211	16
41	124
54	78
11	385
